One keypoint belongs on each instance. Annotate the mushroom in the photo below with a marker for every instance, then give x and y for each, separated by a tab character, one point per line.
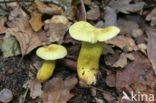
50	54
91	48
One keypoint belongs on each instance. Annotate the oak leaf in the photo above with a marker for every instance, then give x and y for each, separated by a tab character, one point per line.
35	88
50	9
123	42
21	29
36	21
57	90
56	28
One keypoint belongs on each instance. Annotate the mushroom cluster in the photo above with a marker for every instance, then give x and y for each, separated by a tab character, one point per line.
88	60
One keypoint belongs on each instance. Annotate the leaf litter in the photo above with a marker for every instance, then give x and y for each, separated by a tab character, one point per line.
127	62
57	90
20	28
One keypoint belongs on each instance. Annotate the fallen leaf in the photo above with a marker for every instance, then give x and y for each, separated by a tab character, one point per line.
87	2
137	32
71	13
50	9
69	39
123	42
22	97
36	21
125	6
94	13
56	28
66	4
35	89
152	17
143	48
111	80
57	90
10	46
139	70
3	11
110	17
108	96
151	47
2	22
144	89
82	15
122	61
21	29
130	56
100	24
98	100
107	49
126	26
42	36
111	59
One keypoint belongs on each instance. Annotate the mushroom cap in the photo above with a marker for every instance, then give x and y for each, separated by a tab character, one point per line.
52	52
84	31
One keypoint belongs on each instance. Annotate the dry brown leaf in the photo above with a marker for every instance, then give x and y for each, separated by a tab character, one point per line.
151	47
125	6
94	13
126	26
111	80
143	48
2	22
21	29
57	90
144	89
36	21
123	42
87	2
122	61
35	88
137	32
108	96
152	17
42	36
56	28
51	9
111	59
82	15
107	49
139	70
110	17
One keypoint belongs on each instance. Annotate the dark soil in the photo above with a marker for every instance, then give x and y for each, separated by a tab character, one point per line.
12	76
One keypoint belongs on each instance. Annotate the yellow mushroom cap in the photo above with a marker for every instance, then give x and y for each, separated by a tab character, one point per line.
84	31
52	52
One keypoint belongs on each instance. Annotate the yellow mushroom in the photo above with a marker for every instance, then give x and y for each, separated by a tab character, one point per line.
92	45
50	54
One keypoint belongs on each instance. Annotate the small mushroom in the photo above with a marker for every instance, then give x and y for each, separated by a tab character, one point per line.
92	45
50	54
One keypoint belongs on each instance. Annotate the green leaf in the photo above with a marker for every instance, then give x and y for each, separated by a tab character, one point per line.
10	46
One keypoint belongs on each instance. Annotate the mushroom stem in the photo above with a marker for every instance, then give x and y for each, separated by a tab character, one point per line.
88	61
46	70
